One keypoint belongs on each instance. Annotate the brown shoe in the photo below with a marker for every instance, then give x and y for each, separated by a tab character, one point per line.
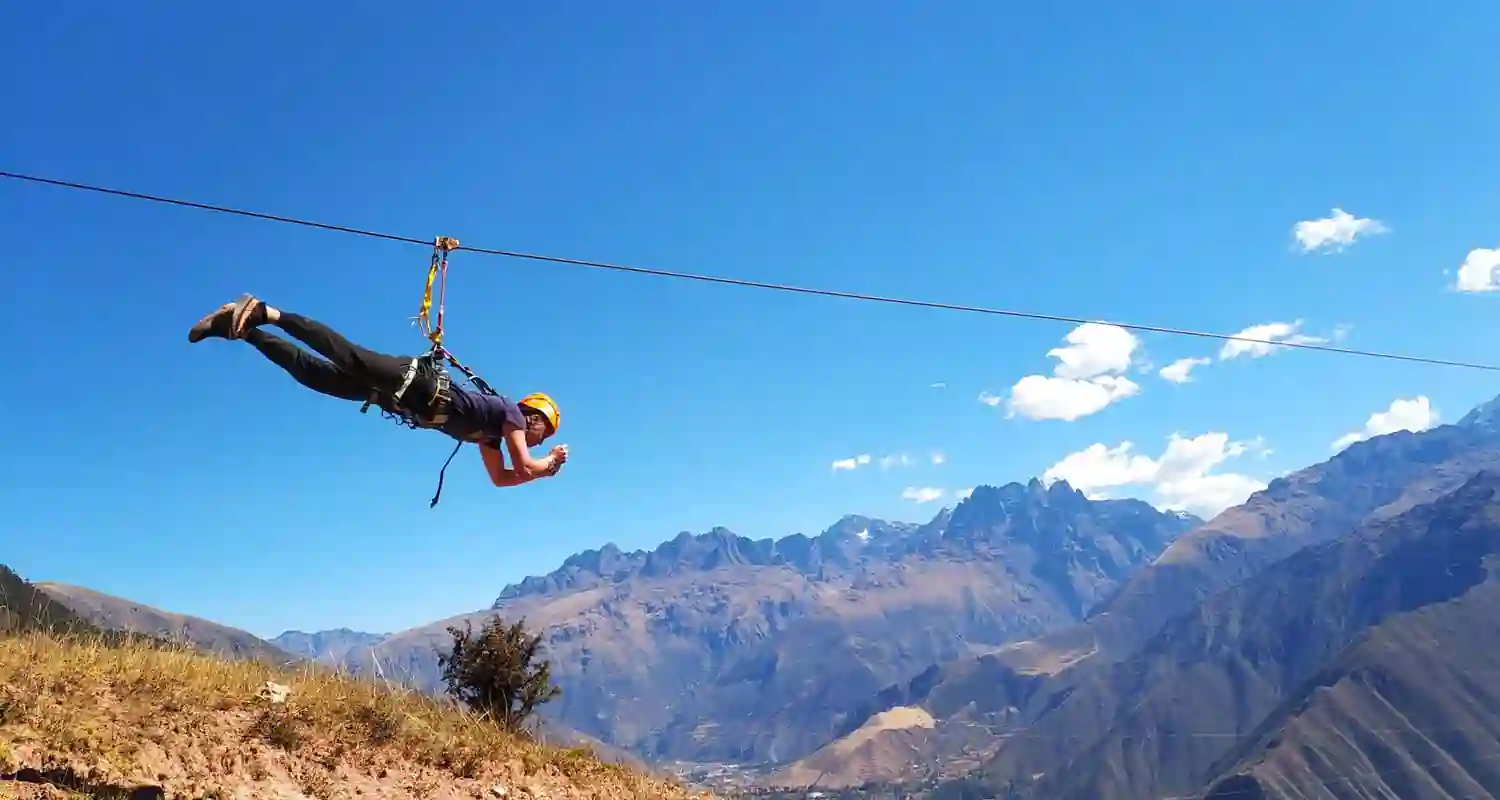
247	313
214	324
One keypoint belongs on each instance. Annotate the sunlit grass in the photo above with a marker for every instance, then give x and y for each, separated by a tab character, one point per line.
136	713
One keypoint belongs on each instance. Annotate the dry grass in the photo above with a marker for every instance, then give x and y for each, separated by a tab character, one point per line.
107	719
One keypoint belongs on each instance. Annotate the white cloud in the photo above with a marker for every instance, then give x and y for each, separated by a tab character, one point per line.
922	494
1177	371
1180	479
902	460
1094	349
852	462
1097	467
1278	332
1086	379
1477	273
990	400
1416	414
1335	232
1041	397
938	459
940	385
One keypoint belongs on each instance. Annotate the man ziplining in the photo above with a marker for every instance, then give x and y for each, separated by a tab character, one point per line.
406	386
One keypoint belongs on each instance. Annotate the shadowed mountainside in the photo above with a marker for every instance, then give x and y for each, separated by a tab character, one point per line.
1410	711
24	607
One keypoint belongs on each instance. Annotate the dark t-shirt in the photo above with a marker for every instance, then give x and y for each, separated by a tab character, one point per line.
477	417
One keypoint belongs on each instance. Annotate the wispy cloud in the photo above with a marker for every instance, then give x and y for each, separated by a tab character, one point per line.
922	494
1335	232
940	385
1178	371
1271	336
893	461
886	462
852	462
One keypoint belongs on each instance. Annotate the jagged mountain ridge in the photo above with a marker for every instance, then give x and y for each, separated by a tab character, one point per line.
719	647
853	541
840	545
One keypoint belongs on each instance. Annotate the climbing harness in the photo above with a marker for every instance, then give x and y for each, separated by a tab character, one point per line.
436	406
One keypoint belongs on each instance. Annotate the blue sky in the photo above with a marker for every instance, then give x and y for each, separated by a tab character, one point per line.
1144	163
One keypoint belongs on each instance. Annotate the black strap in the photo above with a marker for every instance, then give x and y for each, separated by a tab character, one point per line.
439	492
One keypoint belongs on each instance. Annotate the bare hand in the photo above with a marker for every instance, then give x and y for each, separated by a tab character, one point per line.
560	453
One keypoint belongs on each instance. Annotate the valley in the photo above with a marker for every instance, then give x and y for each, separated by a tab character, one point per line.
1028	641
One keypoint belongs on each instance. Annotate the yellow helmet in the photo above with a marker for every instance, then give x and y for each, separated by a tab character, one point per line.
542	404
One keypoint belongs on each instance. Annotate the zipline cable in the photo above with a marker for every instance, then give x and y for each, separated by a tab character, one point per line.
780	287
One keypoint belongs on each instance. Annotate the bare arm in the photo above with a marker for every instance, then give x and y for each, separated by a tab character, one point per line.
525	469
494	464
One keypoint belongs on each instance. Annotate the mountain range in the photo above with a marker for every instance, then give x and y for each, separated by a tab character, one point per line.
699	650
1033	643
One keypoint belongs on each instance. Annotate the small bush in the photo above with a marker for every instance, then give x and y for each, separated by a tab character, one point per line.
497	671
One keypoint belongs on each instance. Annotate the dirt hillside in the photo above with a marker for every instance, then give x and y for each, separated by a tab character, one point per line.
81	718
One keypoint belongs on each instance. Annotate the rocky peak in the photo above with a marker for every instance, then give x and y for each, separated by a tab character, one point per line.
1483	417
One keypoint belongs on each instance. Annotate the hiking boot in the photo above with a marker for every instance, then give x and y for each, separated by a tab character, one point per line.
247	313
216	324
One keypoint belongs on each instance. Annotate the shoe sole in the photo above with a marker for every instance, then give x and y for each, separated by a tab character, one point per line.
243	308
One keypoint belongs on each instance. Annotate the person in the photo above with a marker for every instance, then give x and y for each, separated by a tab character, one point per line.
350	372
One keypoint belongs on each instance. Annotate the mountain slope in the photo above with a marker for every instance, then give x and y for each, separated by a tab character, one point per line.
1006	690
23	607
117	613
1411	709
720	648
1156	723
